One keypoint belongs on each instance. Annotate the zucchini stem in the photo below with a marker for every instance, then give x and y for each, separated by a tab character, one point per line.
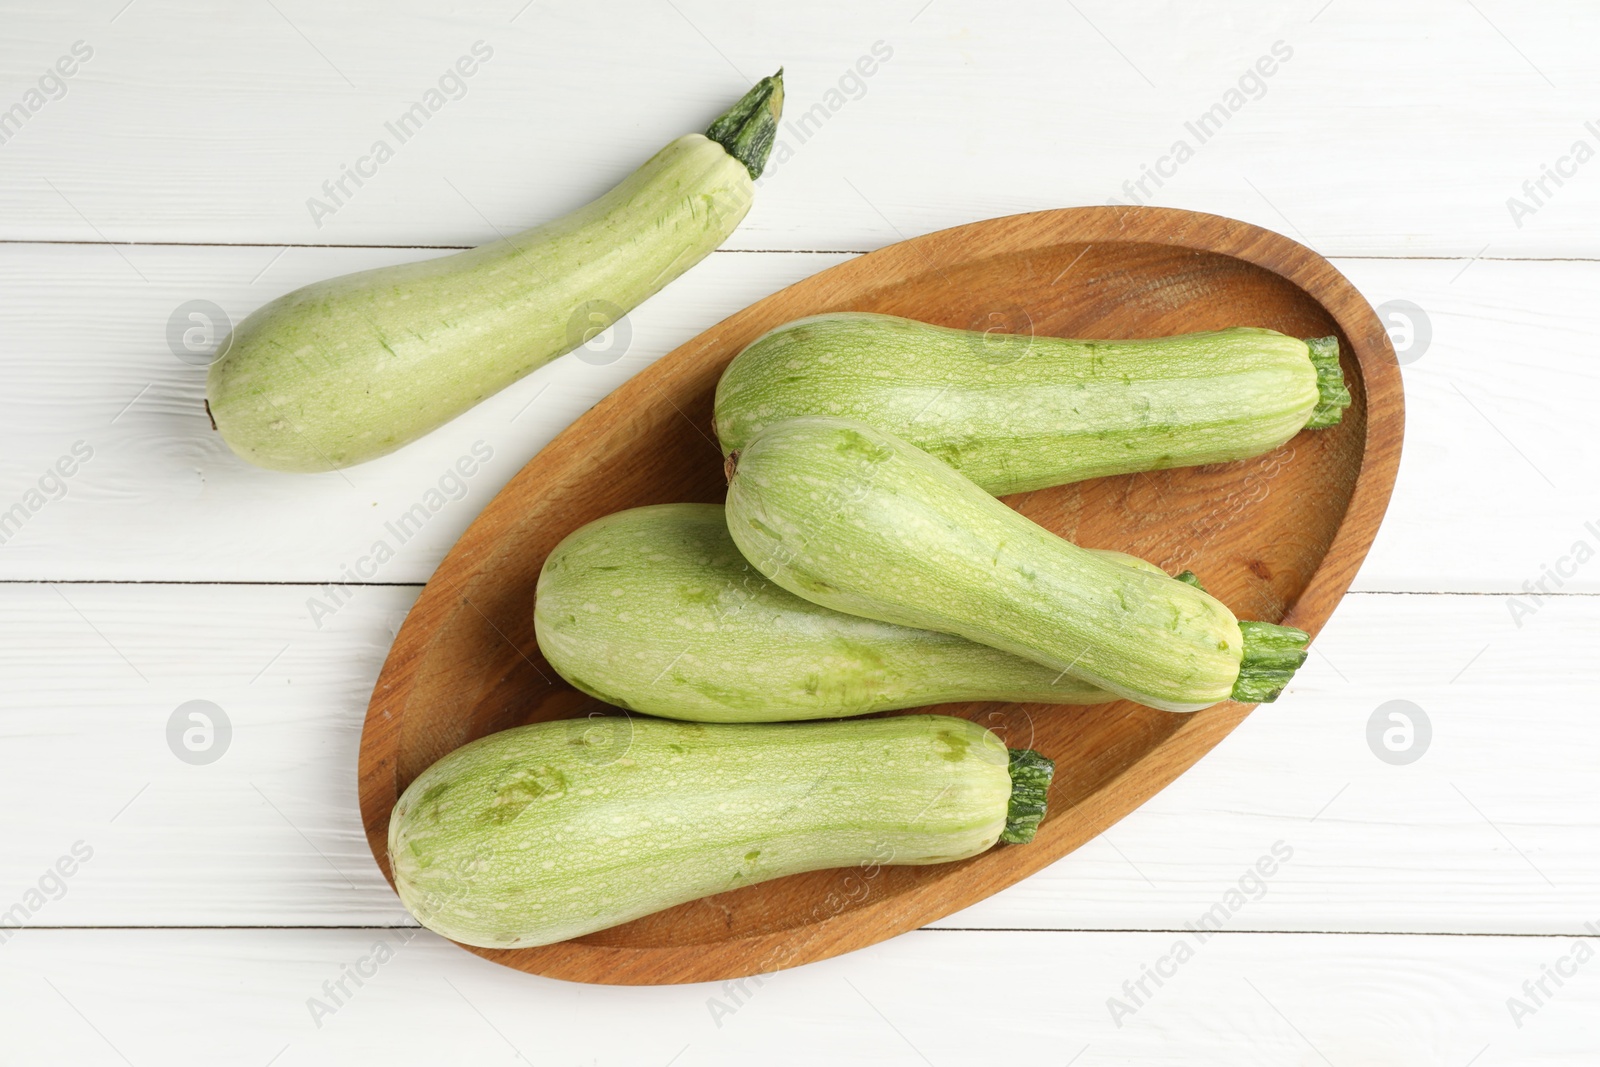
747	129
1271	656
1190	578
1030	792
1332	394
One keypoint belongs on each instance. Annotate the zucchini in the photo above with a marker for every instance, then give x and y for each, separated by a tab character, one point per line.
655	610
558	829
861	521
1015	412
349	369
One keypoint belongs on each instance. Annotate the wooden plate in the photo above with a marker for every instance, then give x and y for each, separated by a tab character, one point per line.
1277	537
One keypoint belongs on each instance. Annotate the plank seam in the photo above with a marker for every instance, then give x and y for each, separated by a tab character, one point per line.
719	251
317	584
400	248
1508	934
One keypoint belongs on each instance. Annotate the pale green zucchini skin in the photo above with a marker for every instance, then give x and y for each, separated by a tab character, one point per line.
1016	412
861	521
550	831
654	609
346	370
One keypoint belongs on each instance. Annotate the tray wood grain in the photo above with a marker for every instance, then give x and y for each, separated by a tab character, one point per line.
1278	537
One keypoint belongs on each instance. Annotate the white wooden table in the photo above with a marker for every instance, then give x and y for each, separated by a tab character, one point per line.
1440	911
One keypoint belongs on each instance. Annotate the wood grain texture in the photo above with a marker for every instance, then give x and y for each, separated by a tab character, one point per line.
1496	395
1396	130
1277	537
271	834
221	129
106	376
1242	1000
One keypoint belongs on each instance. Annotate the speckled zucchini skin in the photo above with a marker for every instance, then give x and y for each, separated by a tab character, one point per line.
861	521
655	610
550	831
1016	412
349	369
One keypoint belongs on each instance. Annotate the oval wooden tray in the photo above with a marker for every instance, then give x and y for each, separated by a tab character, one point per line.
1277	537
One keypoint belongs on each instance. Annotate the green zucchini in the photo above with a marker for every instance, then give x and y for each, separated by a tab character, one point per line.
555	830
655	610
856	519
1015	412
349	369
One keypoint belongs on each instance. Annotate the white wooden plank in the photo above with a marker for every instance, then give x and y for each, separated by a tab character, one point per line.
1498	410
117	997
1389	130
1493	830
161	486
1496	478
1485	831
95	687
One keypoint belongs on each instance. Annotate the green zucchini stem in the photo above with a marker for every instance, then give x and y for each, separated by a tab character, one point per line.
1332	394
1030	792
1190	578
1271	656
747	129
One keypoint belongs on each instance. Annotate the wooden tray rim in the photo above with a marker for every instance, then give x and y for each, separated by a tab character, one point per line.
1116	798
